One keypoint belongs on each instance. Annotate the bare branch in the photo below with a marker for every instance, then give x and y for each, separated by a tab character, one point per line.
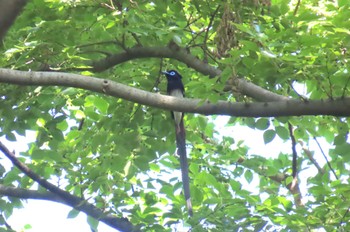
340	107
325	157
121	224
296	7
294	151
311	158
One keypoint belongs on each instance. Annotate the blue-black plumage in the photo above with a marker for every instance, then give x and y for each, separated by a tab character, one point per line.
176	88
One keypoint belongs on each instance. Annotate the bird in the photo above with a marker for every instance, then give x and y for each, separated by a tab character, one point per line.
176	88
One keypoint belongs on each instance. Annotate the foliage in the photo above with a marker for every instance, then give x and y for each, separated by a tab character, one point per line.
119	155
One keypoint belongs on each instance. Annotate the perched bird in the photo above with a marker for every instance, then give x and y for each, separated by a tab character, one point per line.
176	88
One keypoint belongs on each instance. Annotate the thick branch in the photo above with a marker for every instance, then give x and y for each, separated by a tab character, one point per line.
340	107
9	10
29	194
173	51
121	224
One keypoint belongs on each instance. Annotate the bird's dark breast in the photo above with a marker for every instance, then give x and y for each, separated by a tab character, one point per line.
174	84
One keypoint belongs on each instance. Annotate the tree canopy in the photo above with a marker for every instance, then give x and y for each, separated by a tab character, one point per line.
85	78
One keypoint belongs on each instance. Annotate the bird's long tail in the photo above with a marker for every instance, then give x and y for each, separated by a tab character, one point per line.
181	151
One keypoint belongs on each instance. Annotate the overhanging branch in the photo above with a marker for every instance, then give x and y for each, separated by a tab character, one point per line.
340	107
173	51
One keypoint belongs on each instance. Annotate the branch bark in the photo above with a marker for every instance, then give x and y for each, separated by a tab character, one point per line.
339	107
309	155
9	10
29	194
78	203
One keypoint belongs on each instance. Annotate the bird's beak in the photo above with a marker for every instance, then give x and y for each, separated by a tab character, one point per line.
165	72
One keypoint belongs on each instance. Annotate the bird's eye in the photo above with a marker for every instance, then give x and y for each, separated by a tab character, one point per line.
172	73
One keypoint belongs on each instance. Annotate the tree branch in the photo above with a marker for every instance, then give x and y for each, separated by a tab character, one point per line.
293	187
173	51
294	151
325	157
8	227
29	194
340	107
308	153
121	224
9	10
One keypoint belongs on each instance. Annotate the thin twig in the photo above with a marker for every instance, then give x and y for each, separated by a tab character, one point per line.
97	43
342	219
300	96
211	20
297	7
329	80
295	155
136	39
194	36
345	87
154	88
325	157
311	158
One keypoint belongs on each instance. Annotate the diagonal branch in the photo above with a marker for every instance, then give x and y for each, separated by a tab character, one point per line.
309	155
325	157
8	227
121	224
339	107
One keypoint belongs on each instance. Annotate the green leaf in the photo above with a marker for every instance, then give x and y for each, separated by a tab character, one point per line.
93	223
101	104
262	124
27	227
10	136
250	122
282	132
73	213
248	175
340	139
46	155
269	135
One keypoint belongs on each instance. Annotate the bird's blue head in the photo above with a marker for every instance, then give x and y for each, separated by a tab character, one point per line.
172	75
174	81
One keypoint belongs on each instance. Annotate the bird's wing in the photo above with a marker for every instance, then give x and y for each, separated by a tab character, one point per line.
177	115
